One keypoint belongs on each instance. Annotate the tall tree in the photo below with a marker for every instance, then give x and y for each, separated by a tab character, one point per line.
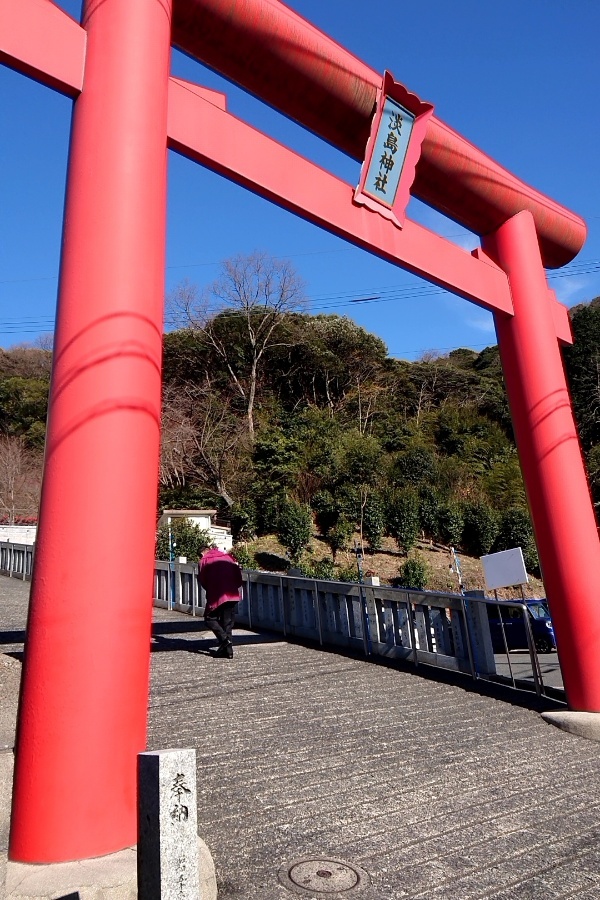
202	441
582	361
257	291
20	479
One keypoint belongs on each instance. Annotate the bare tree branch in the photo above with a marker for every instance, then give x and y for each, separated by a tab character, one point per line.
258	290
20	479
202	440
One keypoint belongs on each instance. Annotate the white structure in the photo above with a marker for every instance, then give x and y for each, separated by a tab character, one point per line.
18	534
204	519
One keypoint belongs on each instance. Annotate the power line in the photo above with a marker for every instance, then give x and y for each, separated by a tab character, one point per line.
595	263
395	353
320	303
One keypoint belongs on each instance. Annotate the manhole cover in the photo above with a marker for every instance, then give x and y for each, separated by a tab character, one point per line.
316	875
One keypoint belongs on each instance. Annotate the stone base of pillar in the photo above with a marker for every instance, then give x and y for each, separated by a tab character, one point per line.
112	877
582	724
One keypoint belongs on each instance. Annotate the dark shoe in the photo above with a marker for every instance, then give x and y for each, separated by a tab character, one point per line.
223	651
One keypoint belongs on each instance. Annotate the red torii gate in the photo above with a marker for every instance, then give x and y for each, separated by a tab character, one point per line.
82	716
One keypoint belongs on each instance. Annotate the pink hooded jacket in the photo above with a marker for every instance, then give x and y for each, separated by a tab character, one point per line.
221	577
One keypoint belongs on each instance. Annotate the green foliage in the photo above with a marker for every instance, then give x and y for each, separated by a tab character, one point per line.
243	556
516	531
320	361
348	574
402	517
276	458
463	358
349	499
429	510
582	363
317	438
464	432
338	425
374	522
276	465
360	458
187	540
450	524
593	466
503	485
415	466
339	536
268	506
243	521
317	568
327	511
480	529
414	573
294	528
23	406
184	356
186	496
456	479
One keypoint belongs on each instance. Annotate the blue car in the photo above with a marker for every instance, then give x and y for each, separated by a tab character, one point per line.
514	626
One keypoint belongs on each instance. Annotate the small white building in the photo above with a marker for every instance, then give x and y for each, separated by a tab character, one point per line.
204	519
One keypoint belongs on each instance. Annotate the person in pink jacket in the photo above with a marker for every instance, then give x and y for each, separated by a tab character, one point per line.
221	577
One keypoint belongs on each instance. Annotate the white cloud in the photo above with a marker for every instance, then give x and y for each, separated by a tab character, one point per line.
481	322
467	240
568	290
442	225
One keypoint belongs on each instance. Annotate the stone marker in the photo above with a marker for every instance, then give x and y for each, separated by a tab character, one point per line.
167	826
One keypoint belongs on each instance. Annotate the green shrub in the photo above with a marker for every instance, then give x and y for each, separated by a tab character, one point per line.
326	511
244	557
294	528
403	519
374	522
415	466
429	510
346	573
450	524
339	535
516	531
414	573
268	507
243	521
187	540
318	568
480	529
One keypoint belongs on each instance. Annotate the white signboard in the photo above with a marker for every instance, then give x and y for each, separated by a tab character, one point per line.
504	569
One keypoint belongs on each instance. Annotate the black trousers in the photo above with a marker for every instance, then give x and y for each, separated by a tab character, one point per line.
221	620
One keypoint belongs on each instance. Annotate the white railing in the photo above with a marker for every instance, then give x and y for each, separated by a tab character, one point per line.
16	560
446	630
450	631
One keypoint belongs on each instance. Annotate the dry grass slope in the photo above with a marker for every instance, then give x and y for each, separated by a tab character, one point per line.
386	564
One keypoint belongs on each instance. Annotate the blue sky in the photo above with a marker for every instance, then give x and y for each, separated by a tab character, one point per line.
518	79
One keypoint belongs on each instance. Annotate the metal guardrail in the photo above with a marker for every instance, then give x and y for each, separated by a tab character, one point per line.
450	631
437	629
16	560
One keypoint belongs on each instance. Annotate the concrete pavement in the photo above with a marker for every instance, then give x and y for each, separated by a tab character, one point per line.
313	762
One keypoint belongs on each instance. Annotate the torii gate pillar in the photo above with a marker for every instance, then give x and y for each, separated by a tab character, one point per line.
76	753
550	456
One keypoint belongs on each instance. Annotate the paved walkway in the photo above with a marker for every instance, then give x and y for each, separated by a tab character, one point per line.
435	790
520	665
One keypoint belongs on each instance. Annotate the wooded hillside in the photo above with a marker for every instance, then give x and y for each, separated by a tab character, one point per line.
279	419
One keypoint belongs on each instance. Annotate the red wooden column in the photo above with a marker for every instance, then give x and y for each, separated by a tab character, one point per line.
551	461
83	708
